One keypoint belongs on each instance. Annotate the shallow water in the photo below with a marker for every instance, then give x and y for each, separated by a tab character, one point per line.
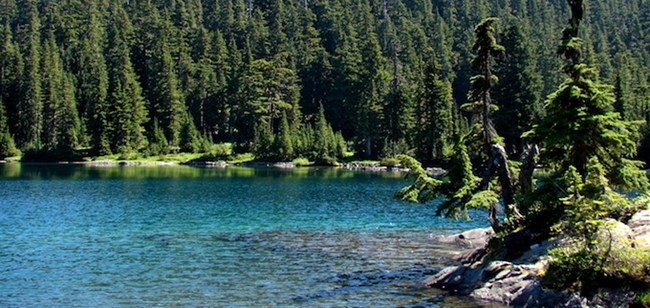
184	236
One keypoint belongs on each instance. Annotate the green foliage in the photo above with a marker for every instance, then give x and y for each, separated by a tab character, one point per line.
158	144
383	71
480	102
644	298
434	113
389	161
593	252
301	161
7	146
458	185
577	268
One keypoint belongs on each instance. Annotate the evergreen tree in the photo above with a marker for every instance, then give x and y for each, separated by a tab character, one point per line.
481	105
283	142
271	90
28	112
435	116
373	80
11	71
158	144
92	82
166	100
517	94
52	73
581	123
7	146
125	109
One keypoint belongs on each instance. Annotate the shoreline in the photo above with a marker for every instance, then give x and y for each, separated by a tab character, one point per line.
518	282
352	166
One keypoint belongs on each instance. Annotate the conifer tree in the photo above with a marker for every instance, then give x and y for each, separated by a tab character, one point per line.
164	95
52	73
158	144
373	80
7	145
517	94
435	116
11	70
283	143
481	105
581	123
125	111
28	113
92	82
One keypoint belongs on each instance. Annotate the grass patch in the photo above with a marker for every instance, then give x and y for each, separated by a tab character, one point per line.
301	161
131	157
240	158
13	158
644	298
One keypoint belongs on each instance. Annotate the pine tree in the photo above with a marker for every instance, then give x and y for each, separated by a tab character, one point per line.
158	144
481	105
271	90
7	145
435	116
92	85
125	111
373	81
517	94
11	71
163	92
581	123
283	143
52	74
190	139
28	113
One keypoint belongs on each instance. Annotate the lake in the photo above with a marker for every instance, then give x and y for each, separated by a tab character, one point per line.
73	235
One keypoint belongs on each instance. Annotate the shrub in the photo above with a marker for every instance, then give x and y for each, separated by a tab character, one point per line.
301	161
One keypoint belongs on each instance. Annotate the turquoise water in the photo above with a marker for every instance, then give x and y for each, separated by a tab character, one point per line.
185	236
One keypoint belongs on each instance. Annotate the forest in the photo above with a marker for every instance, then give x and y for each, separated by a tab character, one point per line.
293	78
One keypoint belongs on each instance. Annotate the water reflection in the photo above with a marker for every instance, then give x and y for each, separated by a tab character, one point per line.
81	171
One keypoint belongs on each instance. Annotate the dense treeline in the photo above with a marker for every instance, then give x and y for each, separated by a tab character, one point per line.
289	78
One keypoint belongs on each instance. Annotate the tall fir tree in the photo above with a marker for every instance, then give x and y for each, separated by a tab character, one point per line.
125	109
11	74
517	94
580	122
29	110
7	145
435	116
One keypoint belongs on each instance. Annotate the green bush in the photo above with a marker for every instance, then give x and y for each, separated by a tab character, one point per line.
301	161
643	298
576	268
389	161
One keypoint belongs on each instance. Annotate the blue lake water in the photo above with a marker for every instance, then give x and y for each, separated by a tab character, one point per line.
185	236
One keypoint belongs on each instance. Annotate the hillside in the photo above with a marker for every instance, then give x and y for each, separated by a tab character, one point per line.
152	77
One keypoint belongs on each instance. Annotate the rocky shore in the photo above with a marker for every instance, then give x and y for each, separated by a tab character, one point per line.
372	167
518	283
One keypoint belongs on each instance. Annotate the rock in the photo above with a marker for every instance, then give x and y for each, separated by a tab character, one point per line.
471	239
519	283
435	171
640	226
535	253
615	235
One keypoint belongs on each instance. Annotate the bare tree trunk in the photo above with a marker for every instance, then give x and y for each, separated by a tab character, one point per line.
498	164
527	168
